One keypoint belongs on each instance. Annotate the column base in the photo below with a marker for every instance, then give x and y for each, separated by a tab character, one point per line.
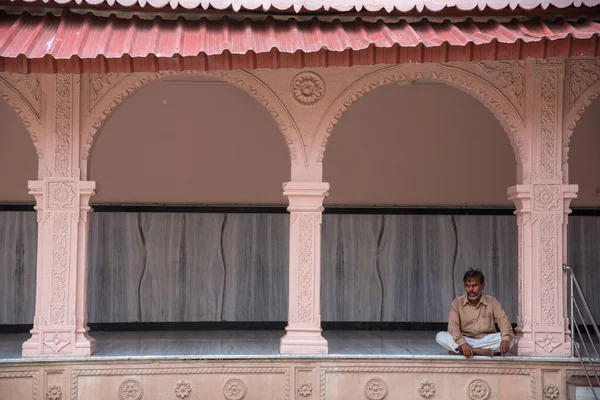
59	342
542	344
303	341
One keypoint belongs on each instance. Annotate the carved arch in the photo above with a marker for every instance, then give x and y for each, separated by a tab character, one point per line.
583	87
17	99
120	86
491	97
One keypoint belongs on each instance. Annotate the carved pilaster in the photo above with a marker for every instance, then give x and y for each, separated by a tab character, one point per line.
62	203
542	207
304	325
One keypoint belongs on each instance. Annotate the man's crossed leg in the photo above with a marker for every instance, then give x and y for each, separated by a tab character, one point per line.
486	346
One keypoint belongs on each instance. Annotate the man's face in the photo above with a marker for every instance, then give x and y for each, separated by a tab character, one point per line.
474	289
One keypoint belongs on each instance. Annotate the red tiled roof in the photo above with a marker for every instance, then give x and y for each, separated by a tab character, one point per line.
25	38
340	5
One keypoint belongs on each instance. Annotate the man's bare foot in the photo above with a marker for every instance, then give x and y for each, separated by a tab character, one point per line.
484	352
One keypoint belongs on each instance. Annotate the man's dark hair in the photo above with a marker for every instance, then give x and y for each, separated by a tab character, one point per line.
474	273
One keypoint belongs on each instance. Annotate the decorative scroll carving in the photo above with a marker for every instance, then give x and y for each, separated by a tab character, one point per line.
131	389
548	267
62	147
479	389
548	124
551	392
26	111
305	389
32	83
520	310
100	84
426	389
248	83
511	77
376	389
305	269
59	268
307	88
183	389
234	389
54	393
547	197
496	102
582	75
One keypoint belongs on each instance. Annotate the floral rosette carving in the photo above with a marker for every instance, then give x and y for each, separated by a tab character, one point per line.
305	389
426	389
376	389
307	88
551	392
479	389
234	389
131	389
54	393
182	389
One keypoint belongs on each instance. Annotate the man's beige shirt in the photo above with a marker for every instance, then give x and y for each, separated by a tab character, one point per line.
477	322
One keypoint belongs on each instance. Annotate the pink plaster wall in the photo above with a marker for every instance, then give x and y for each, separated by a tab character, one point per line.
170	145
584	158
201	142
419	145
18	161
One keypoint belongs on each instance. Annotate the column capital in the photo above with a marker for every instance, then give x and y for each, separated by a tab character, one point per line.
542	197
305	196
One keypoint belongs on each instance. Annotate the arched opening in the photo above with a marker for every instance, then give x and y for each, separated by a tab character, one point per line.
18	228
425	152
584	226
198	142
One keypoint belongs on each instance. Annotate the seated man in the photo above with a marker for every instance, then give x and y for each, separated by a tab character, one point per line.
471	329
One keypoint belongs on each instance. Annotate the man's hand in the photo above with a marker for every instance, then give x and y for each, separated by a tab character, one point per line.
466	350
504	347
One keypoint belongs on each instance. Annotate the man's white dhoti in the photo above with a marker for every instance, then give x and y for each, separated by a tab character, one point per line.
491	341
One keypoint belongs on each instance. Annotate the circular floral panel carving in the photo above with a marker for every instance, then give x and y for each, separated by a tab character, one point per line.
551	391
182	389
426	389
54	393
376	389
479	389
131	389
307	88
305	389
234	389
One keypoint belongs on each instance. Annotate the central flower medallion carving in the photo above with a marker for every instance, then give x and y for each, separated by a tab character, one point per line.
479	390
305	389
131	389
376	389
234	389
307	88
427	389
182	389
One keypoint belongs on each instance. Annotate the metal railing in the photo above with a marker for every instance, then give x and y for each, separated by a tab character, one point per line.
578	341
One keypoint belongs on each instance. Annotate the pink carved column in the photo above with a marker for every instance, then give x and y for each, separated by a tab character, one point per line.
62	202
542	208
304	316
